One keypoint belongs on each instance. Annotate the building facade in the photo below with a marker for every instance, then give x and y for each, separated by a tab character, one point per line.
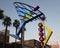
2	36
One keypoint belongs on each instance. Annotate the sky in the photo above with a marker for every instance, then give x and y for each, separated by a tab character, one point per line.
51	9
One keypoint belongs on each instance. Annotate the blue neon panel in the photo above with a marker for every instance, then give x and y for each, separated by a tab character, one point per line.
37	12
20	26
15	36
19	11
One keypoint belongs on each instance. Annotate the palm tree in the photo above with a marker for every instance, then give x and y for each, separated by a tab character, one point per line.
6	22
16	25
1	14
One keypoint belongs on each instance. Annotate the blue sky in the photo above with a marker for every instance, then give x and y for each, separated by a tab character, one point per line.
51	9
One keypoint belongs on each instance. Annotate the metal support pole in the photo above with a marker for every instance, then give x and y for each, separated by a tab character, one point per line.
22	37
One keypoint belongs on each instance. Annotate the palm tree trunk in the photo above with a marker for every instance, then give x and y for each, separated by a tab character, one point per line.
4	46
5	33
15	39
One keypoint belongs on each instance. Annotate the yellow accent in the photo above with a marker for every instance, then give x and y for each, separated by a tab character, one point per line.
48	34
